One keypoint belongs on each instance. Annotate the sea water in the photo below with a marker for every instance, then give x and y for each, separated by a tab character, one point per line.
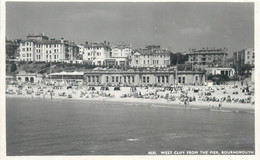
63	127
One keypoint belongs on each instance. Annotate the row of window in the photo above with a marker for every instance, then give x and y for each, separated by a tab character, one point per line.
27	55
93	54
125	79
93	79
148	56
55	56
27	49
163	79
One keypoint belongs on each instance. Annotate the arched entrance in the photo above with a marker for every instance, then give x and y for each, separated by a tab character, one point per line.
32	80
19	78
26	79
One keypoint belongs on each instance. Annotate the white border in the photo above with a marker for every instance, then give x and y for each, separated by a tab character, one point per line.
183	157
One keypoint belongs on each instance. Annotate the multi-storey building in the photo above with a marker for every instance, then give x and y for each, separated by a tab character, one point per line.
97	53
26	50
208	57
151	56
119	55
245	56
41	49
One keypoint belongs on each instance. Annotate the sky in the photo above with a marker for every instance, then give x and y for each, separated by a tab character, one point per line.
177	26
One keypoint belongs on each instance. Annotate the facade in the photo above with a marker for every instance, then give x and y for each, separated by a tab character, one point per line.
97	53
245	56
26	50
146	77
208	57
151	56
120	54
28	77
41	49
230	62
220	71
81	49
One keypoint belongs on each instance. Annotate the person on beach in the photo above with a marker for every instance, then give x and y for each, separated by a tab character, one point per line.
219	106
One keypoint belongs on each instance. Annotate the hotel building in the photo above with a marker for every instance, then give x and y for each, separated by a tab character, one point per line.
97	53
39	48
208	57
245	56
119	55
151	56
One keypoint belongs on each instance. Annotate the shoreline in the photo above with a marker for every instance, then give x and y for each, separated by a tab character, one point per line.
167	104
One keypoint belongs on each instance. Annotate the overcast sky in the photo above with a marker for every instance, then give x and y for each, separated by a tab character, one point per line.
178	26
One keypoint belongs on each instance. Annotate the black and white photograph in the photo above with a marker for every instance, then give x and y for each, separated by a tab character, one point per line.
129	78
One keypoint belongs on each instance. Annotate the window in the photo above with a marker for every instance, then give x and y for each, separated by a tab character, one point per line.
144	61
167	79
147	79
159	79
196	78
128	79
125	79
27	49
148	62
179	79
133	79
116	78
97	78
107	79
136	61
93	78
54	50
88	78
143	79
162	79
23	49
183	79
113	78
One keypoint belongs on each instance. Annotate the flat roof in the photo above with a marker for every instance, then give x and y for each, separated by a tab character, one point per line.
68	73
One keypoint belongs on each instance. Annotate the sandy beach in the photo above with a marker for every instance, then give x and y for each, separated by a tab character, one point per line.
164	97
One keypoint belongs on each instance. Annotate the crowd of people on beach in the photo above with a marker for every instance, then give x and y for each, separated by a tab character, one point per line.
231	93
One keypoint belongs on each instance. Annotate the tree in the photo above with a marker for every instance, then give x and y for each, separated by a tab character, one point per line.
13	67
178	58
246	68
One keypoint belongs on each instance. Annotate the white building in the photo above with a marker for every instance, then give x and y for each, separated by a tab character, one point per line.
26	50
119	54
220	71
97	53
151	56
41	49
